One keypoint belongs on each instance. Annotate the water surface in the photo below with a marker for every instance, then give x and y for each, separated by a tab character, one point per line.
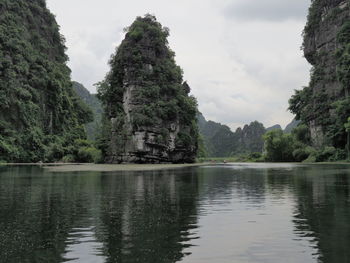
231	213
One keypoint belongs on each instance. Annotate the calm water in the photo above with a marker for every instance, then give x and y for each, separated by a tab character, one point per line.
232	213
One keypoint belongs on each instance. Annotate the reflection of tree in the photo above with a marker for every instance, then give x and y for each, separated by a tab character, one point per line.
139	217
148	216
323	211
36	214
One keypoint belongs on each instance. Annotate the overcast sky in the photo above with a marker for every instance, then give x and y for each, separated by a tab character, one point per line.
242	58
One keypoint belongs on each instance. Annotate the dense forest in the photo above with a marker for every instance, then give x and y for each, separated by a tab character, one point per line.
41	118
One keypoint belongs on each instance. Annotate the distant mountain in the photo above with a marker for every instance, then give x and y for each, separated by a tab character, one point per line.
218	138
249	139
94	104
220	141
274	127
288	128
291	126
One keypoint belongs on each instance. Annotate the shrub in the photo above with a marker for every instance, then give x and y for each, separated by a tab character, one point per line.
255	155
68	158
327	154
310	159
54	152
300	154
339	155
89	155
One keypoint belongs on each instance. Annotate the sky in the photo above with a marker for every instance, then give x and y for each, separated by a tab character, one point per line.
242	58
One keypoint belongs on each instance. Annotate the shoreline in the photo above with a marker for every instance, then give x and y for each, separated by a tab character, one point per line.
114	167
91	167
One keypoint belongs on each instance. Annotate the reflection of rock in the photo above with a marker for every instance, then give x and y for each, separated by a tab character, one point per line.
322	211
148	217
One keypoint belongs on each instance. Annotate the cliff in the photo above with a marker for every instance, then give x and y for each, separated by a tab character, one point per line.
149	116
40	116
324	104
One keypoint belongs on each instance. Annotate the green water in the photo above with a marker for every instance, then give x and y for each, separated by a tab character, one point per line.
232	213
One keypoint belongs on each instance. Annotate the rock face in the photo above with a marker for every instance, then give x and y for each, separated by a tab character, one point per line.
326	19
326	47
149	116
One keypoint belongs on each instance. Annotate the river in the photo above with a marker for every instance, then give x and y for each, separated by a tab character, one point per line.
243	213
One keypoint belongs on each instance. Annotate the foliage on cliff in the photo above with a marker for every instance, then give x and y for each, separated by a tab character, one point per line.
40	116
144	61
324	105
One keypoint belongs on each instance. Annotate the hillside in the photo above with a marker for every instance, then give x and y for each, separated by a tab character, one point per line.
92	128
220	141
40	116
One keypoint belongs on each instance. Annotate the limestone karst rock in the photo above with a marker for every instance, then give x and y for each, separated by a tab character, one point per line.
40	116
324	104
149	116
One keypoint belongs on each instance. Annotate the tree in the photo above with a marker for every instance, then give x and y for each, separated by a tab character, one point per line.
279	147
347	128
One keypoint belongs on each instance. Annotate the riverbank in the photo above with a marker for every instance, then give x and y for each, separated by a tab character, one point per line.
115	167
90	167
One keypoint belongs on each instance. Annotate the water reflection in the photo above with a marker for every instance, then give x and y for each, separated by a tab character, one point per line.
231	213
94	217
148	217
323	211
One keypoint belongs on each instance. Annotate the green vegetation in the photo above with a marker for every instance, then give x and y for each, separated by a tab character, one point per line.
314	17
44	116
295	147
91	100
160	97
40	116
343	57
220	141
347	128
278	146
324	105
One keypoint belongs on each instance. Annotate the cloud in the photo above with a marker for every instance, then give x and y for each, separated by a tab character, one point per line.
240	70
267	10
